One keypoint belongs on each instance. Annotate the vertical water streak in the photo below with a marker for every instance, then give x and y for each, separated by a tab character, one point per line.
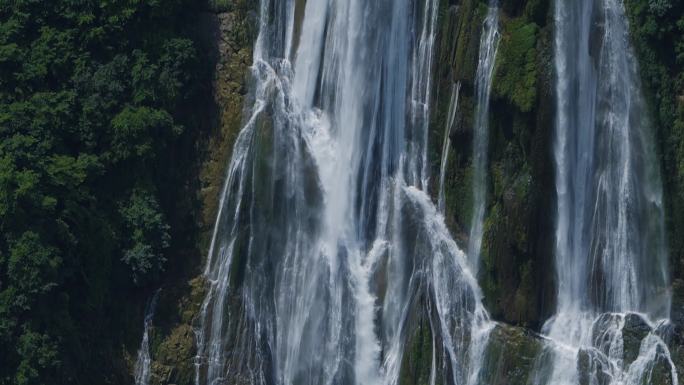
144	361
421	93
446	146
489	43
611	262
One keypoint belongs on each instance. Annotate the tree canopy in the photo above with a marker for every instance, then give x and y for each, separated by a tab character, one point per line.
91	101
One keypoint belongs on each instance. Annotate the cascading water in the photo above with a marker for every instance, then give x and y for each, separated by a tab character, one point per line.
610	250
144	361
325	235
489	43
446	144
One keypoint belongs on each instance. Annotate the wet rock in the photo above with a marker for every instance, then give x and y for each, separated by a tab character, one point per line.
661	372
634	331
510	356
677	312
161	374
673	335
173	362
417	360
593	368
607	333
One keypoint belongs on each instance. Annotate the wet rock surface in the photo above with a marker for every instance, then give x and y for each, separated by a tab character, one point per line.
510	356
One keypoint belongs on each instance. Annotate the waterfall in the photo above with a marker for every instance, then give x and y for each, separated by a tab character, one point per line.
144	361
446	144
325	236
610	251
489	43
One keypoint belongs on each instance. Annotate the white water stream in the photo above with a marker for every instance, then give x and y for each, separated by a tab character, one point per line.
489	43
143	363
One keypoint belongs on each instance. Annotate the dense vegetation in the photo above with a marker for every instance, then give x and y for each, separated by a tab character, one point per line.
95	118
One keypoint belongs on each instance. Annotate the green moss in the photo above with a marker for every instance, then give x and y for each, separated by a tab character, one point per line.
525	293
510	356
468	30
459	195
491	244
229	93
173	362
227	5
220	5
515	76
417	361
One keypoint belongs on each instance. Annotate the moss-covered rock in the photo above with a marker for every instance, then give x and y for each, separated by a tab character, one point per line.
173	361
676	345
517	260
515	73
591	370
510	356
464	27
417	360
233	35
634	331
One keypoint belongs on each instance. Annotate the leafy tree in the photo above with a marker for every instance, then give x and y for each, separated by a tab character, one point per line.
147	232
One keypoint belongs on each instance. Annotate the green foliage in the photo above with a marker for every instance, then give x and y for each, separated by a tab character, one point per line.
148	234
32	268
515	76
230	5
135	132
92	101
38	355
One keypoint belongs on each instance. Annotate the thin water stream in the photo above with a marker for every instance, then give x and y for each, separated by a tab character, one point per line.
489	43
143	363
446	144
